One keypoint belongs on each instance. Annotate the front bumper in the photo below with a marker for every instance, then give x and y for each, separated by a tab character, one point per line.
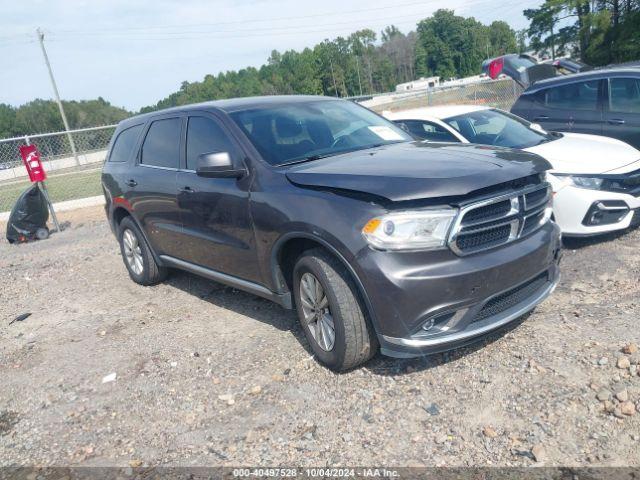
571	206
462	299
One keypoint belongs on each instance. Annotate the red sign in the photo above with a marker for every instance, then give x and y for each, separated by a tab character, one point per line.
31	160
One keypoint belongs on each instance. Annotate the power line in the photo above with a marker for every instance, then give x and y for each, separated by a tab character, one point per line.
236	32
257	20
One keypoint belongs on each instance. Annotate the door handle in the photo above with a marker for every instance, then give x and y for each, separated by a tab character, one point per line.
131	182
187	189
541	117
615	121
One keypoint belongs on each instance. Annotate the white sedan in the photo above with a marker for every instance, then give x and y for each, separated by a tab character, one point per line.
595	180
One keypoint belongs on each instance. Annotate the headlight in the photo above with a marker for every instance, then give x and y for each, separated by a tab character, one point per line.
585	182
410	230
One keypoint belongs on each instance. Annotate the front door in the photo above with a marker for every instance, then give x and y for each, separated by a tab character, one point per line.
152	185
622	111
216	224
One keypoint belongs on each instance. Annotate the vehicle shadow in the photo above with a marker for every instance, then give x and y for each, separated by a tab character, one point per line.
269	313
239	302
577	243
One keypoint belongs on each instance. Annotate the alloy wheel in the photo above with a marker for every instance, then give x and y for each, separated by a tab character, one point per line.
316	311
132	251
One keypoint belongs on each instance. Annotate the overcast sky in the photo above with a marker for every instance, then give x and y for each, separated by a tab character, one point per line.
135	52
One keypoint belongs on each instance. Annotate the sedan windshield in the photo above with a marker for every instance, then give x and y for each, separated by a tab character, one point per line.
307	131
501	129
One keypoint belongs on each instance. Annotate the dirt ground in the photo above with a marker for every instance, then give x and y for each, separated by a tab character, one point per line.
207	375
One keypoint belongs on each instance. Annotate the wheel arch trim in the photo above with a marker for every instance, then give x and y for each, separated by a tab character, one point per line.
276	271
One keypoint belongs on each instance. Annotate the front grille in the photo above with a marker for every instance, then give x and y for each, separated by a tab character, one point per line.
496	221
535	198
485	238
511	298
488	212
531	222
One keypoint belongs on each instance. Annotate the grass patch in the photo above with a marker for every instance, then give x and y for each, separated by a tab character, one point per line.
61	187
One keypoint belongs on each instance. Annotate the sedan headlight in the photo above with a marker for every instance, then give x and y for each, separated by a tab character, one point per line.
590	183
410	230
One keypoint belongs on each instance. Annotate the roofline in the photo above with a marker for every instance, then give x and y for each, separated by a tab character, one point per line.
582	76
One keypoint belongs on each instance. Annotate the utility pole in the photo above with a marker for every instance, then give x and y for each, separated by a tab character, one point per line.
359	81
335	87
40	35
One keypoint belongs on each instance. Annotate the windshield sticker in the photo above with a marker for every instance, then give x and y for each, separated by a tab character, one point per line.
385	133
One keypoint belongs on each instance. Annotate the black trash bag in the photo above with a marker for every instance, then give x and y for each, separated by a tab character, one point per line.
28	219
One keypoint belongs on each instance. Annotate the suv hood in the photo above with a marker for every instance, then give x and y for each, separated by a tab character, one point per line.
411	171
581	153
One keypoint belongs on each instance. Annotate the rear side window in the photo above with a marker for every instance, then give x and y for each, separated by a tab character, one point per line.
124	144
161	147
204	135
624	95
426	131
574	96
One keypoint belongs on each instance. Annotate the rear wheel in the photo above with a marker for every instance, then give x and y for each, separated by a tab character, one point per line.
137	255
330	311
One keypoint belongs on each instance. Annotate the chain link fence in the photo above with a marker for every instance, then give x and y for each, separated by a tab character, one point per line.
69	176
495	93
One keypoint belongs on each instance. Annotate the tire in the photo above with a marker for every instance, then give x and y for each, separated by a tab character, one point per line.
137	256
353	339
42	233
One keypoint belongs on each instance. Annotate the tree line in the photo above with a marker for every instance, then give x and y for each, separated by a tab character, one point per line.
598	32
447	45
41	116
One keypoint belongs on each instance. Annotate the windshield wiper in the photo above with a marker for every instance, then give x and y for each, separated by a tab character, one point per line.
318	156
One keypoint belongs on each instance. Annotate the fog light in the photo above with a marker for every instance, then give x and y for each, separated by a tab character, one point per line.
606	212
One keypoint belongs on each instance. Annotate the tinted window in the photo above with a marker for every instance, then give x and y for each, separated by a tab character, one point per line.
624	95
124	144
161	147
426	131
305	131
204	135
574	96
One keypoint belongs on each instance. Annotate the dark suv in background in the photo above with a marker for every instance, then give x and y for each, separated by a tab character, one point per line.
321	205
600	102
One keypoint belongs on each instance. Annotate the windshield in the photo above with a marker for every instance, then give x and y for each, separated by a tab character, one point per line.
316	129
501	129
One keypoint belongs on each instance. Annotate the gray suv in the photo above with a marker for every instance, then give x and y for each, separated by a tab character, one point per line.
377	241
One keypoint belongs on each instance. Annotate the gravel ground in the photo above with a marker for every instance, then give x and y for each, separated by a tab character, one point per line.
207	375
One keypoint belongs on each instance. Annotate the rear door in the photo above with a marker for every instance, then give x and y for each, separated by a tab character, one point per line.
217	227
152	184
622	110
572	107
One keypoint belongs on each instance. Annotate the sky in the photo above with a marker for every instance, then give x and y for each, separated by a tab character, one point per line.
133	53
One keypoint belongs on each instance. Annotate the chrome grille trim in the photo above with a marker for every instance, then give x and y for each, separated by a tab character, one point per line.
516	217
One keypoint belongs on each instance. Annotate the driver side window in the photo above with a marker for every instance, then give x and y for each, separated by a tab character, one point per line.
204	135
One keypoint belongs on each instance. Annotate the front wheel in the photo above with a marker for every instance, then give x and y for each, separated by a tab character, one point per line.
330	311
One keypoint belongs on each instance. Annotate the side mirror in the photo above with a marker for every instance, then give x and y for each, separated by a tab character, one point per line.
218	165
